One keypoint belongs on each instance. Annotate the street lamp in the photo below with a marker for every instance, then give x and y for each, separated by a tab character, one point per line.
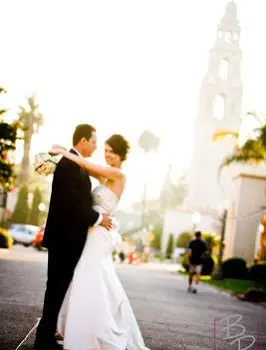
196	217
42	207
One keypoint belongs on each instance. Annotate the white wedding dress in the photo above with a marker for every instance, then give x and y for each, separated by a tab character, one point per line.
96	313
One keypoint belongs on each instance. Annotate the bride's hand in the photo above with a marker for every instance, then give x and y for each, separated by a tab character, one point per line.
56	149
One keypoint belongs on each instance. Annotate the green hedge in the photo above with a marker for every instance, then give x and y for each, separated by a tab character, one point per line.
235	268
257	273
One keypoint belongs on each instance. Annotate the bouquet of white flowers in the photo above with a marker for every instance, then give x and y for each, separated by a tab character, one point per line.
45	163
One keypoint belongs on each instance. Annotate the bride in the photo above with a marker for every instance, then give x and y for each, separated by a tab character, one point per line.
96	313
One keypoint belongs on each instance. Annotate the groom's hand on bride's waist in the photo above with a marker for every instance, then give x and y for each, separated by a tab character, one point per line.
106	222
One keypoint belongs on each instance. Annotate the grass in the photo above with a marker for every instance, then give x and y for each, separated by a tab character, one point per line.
233	285
230	284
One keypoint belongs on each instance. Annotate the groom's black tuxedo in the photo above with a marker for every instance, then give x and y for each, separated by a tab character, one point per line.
70	215
70	212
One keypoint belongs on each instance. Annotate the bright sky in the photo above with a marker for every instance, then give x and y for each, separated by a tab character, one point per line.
123	66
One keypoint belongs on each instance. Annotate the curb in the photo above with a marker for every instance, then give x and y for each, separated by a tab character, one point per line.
5	251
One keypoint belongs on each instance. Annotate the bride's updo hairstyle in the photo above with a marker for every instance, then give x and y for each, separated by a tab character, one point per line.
119	145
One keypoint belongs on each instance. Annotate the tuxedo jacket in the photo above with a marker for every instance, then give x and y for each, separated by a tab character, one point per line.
70	212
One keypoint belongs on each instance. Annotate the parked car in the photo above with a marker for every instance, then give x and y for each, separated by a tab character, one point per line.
23	234
37	242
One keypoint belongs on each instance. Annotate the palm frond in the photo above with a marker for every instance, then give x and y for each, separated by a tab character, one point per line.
257	116
32	103
262	135
253	148
252	152
252	113
221	134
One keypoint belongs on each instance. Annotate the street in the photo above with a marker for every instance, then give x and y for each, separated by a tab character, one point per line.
169	317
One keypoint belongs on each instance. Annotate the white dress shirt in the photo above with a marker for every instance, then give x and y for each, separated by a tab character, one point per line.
100	218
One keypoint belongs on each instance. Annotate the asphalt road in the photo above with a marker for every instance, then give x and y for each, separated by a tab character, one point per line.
168	316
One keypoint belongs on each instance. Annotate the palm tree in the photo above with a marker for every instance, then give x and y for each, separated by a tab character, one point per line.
30	120
211	240
8	137
253	150
148	142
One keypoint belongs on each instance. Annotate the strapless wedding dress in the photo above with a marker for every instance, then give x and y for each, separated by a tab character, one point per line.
96	313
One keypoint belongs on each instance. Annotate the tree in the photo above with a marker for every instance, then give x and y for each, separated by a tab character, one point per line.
21	212
157	231
172	194
30	120
170	247
148	142
211	240
252	151
183	240
8	137
35	213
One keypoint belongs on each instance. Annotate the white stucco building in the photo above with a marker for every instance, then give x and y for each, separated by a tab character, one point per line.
247	207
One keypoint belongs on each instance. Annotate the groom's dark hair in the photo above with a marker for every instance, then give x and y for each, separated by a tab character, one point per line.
82	130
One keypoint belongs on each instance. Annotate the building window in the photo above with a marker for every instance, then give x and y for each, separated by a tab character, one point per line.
236	36
223	71
219	107
220	34
228	36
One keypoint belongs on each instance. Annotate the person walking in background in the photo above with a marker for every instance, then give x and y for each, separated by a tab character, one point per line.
195	256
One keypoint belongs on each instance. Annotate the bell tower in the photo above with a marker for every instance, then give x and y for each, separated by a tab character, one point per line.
220	101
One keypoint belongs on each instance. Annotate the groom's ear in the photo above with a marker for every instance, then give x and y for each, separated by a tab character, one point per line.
83	141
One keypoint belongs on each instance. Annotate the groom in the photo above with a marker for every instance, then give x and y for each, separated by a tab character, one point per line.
70	216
